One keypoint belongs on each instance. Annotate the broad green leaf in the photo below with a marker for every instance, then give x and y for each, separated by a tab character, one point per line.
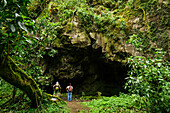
15	47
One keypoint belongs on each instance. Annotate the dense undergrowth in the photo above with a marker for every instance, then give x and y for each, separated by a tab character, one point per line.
20	103
124	103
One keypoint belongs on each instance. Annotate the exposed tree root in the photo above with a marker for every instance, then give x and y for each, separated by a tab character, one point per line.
49	96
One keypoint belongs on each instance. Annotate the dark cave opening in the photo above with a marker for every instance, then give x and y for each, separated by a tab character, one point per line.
88	71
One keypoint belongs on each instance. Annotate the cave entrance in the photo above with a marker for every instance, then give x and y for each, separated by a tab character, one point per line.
88	71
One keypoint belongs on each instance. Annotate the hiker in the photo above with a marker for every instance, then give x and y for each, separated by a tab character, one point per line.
69	90
56	88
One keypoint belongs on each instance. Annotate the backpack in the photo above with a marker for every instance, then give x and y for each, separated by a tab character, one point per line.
56	87
70	89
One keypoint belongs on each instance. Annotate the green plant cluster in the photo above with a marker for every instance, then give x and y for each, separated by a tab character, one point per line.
149	77
14	23
48	31
123	103
154	25
6	90
7	95
22	104
149	69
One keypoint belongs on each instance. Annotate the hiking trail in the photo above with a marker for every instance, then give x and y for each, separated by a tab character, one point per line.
76	107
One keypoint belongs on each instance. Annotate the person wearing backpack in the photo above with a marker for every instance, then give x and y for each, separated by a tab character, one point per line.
56	88
69	90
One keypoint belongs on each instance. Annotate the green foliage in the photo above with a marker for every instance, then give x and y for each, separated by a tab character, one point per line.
15	24
48	31
84	97
87	98
149	77
23	105
49	107
7	93
14	21
123	103
149	74
5	90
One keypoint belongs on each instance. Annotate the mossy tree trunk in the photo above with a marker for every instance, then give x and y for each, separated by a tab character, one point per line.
11	73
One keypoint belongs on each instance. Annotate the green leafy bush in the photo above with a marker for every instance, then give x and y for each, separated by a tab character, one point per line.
149	77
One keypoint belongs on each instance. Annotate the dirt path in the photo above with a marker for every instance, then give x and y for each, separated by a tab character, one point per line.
75	107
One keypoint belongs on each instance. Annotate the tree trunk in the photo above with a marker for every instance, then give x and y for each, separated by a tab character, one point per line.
11	73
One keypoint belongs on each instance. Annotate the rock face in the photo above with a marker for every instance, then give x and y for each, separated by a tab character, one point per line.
87	69
88	58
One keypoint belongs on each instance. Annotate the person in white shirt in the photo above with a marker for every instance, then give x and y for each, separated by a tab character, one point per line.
56	88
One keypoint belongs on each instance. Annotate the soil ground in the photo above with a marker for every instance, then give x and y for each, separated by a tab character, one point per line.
76	107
